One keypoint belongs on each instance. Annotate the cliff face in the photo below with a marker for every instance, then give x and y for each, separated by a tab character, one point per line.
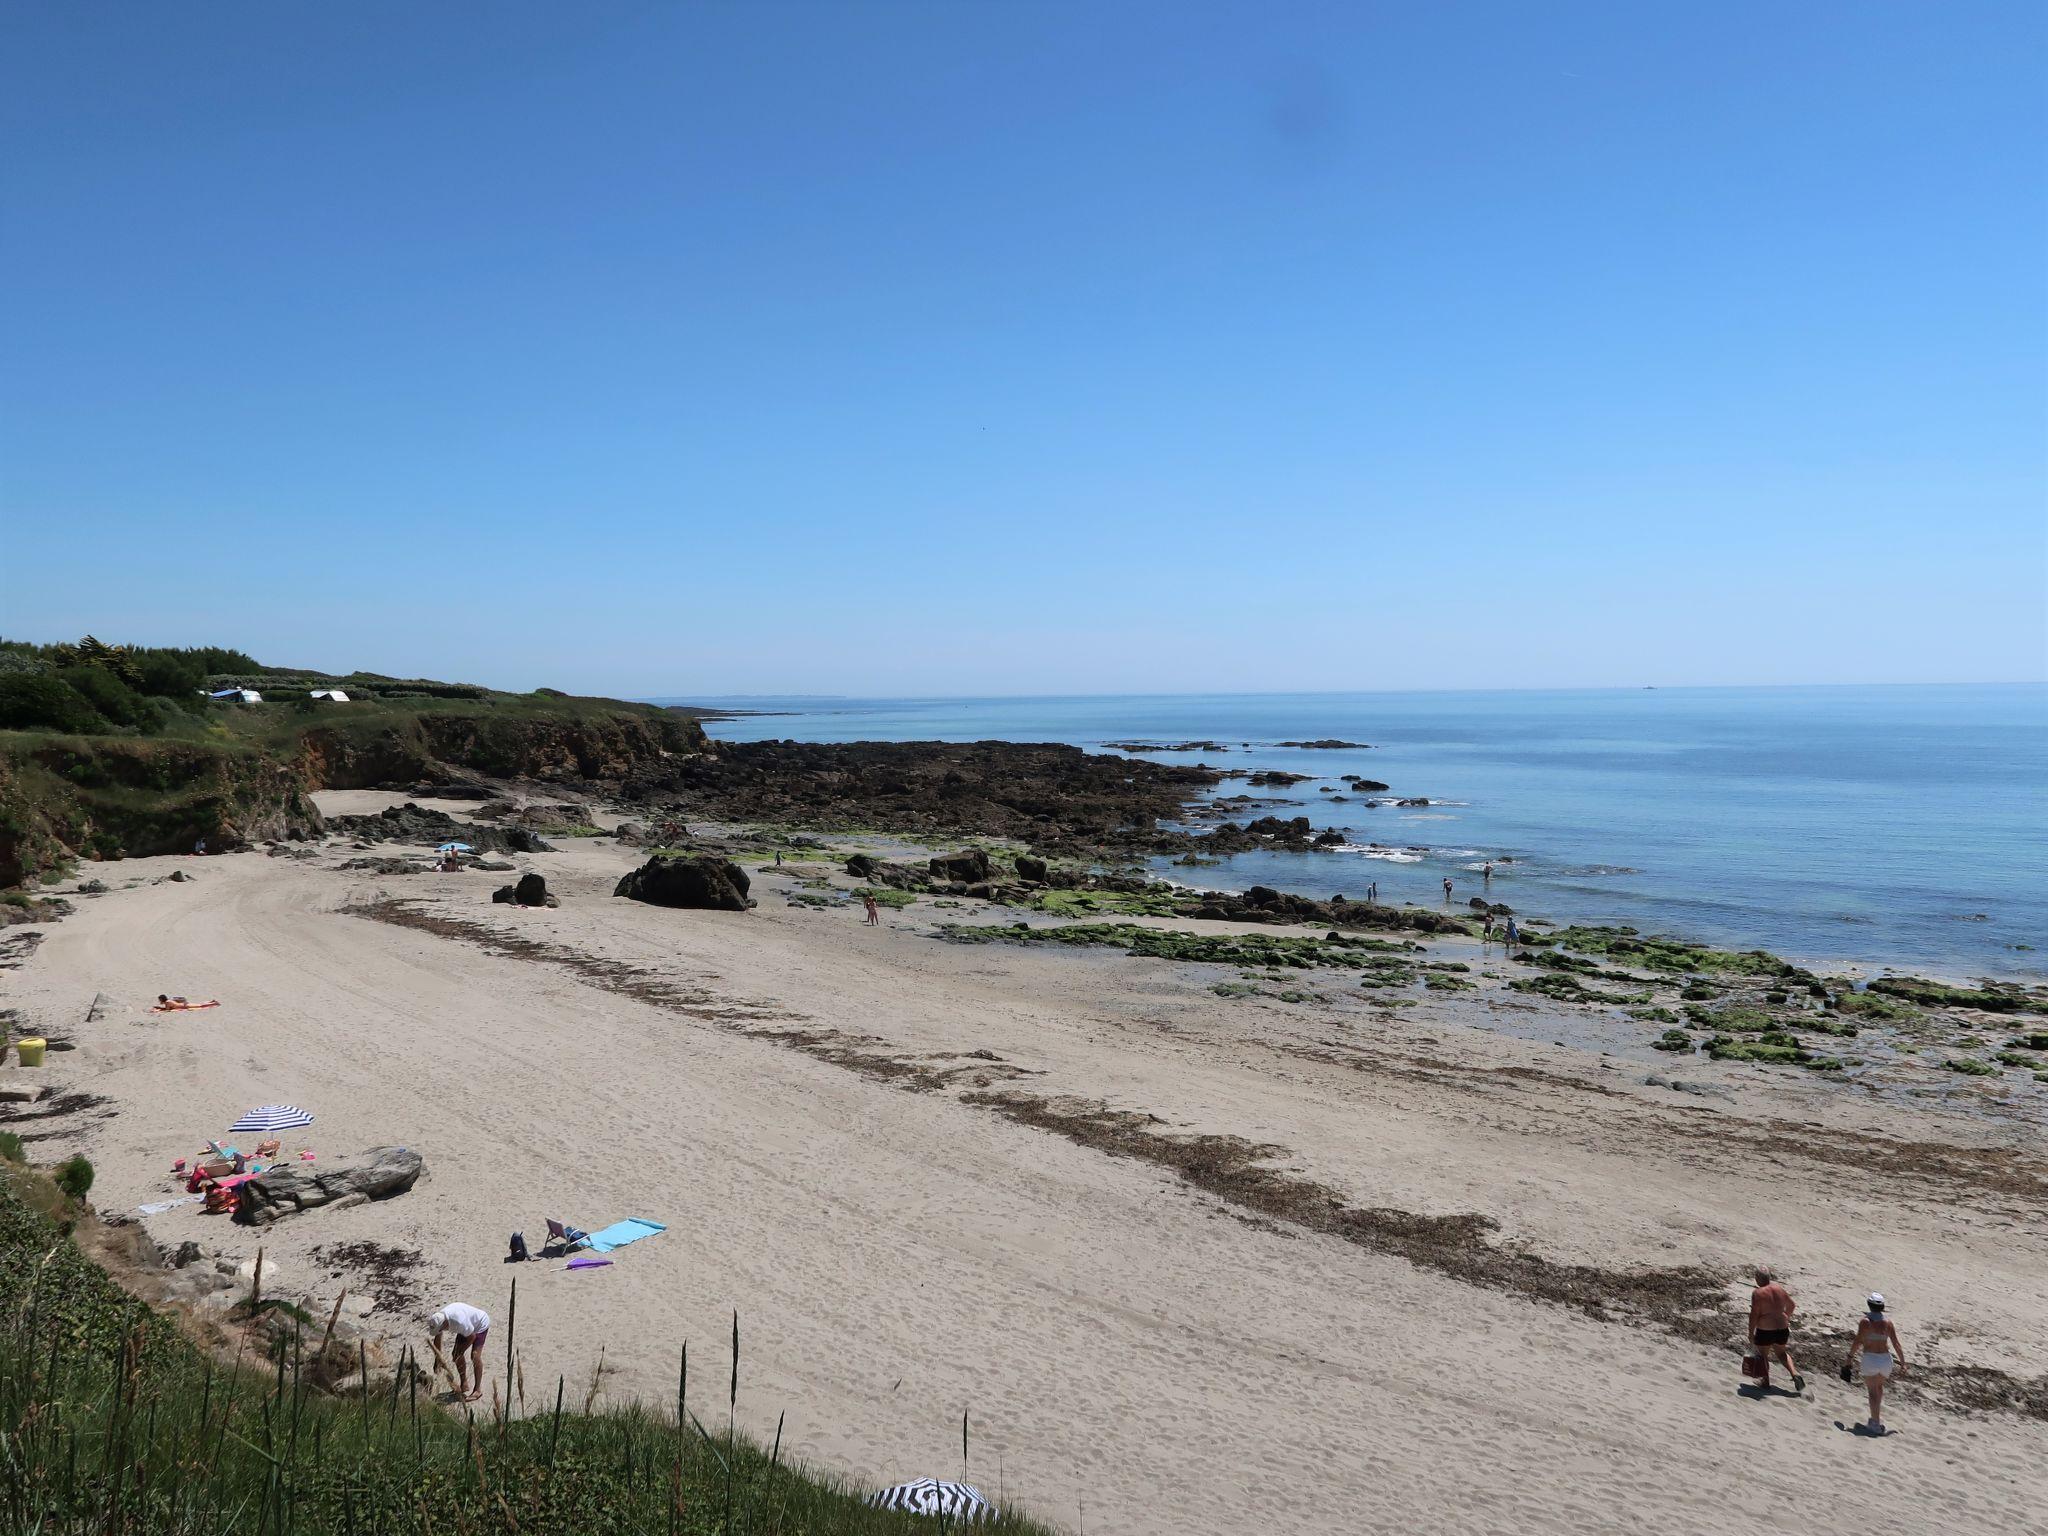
129	799
110	798
432	747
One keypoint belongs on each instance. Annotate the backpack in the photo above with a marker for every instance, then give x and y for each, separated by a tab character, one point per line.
519	1253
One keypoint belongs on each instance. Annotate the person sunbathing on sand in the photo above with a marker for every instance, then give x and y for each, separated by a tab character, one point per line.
180	1005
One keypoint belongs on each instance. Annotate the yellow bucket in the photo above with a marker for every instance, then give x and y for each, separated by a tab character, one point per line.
31	1051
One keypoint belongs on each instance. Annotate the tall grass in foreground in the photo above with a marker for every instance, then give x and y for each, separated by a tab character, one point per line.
111	1421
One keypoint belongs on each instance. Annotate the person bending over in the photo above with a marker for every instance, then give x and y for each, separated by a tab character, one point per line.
472	1325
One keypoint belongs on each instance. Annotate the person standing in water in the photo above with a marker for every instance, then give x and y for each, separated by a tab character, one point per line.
1486	872
1882	1356
1447	890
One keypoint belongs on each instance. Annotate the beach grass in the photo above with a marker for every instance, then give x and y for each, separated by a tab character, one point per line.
112	1420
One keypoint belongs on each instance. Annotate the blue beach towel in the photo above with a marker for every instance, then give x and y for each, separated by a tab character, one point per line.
620	1233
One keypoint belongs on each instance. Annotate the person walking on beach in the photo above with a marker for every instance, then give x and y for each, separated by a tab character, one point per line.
1770	1327
1512	936
1372	892
1486	931
1882	1356
874	912
472	1326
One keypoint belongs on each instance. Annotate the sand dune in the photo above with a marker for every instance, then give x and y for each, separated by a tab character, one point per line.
1135	1353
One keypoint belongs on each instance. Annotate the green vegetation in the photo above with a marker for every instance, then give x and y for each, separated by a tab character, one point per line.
1299	952
1753	1016
2019	1059
1878	1008
1658	954
2034	1042
1775	1048
74	1176
1569	989
111	1421
1934	994
1653	1015
110	752
1437	981
10	1148
1234	989
1158	901
1970	1066
1573	965
1672	1040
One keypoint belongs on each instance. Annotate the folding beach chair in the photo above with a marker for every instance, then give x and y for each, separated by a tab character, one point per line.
570	1238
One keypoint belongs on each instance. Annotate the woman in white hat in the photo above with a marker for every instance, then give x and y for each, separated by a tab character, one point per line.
1877	1343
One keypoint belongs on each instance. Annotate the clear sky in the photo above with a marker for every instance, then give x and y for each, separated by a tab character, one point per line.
1021	346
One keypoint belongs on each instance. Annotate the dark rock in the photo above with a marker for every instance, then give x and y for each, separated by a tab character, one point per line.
969	864
631	833
1029	868
93	888
1330	744
1166	746
1364	786
179	876
454	789
410	823
897	877
287	1188
188	1253
696	880
531	891
1329	839
1276	777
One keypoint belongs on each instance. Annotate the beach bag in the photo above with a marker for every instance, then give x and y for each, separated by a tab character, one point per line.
1753	1365
519	1254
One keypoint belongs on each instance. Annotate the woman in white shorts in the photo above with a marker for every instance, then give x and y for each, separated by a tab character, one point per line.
1881	1356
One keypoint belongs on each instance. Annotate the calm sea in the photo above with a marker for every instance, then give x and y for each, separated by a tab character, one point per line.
1876	825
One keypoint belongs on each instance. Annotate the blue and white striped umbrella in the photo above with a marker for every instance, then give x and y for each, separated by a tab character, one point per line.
932	1496
272	1117
455	848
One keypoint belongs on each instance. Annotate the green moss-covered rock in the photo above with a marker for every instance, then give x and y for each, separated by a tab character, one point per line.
1653	1015
1774	1049
1569	989
1992	998
1673	955
1970	1066
1672	1040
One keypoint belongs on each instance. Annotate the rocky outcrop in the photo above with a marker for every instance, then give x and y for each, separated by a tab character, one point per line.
969	865
1263	904
897	877
410	823
1330	744
696	880
1033	869
530	891
1055	798
290	1188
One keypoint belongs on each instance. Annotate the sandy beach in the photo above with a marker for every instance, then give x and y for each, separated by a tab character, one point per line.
887	1152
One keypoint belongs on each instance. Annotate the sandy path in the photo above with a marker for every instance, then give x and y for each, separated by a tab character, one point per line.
1127	1346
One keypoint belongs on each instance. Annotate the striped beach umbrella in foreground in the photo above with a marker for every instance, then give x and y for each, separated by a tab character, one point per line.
931	1496
272	1117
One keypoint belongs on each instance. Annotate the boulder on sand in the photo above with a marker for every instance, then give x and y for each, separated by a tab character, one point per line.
292	1187
897	877
1029	868
969	864
531	891
699	880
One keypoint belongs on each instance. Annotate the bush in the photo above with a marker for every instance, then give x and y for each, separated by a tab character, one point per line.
32	701
10	1148
74	1176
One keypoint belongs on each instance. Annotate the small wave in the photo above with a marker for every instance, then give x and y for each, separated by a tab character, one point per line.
1425	816
1391	855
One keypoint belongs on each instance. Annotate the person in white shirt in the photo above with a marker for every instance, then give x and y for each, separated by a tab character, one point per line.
472	1325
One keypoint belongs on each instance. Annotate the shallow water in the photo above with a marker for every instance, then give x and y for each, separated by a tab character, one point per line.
1865	825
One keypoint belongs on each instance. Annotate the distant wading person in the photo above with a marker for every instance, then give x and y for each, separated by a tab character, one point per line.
472	1325
1447	889
1877	1348
874	911
1770	1327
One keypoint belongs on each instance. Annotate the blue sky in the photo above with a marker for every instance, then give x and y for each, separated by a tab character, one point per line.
1032	347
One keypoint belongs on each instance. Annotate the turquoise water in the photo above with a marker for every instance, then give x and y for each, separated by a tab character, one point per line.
1874	825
